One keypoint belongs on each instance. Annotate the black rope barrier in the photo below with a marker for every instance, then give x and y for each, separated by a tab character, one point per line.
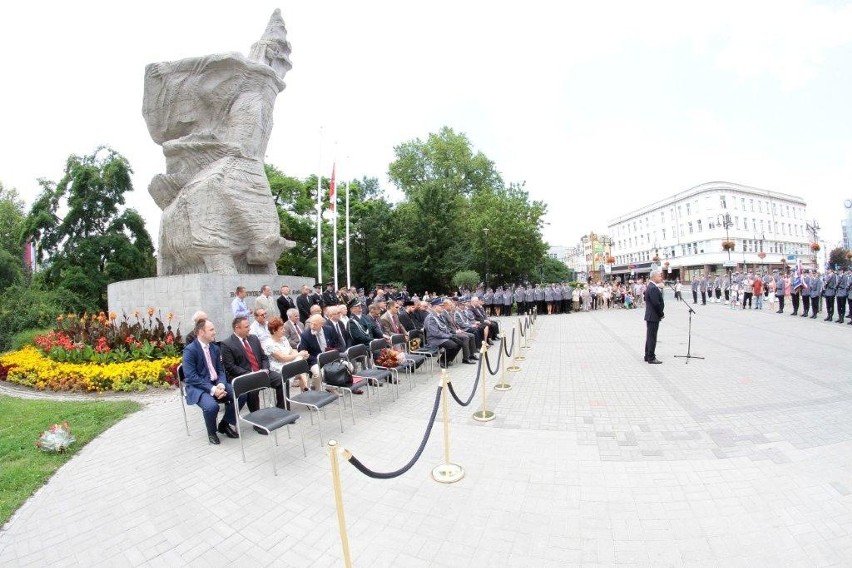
391	474
472	391
521	327
488	362
509	352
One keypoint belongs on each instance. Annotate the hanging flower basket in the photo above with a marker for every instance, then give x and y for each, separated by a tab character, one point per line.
761	255
728	245
666	264
815	247
610	260
849	255
656	258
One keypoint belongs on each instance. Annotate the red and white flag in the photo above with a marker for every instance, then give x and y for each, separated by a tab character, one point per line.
332	195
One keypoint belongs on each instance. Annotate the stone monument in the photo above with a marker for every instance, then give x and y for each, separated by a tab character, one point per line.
213	117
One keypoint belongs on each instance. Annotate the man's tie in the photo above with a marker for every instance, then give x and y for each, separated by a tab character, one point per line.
252	359
321	340
210	367
339	327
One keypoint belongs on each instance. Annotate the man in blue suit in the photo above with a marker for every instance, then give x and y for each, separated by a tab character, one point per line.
206	385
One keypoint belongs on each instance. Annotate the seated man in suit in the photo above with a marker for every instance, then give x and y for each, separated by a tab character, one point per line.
241	354
338	336
371	321
357	330
478	312
293	328
390	321
206	386
315	340
439	335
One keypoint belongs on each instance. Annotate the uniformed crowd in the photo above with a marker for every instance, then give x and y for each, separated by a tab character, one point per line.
808	291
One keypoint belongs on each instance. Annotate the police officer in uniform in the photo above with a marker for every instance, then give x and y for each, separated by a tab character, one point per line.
842	293
806	292
702	287
695	283
830	292
795	292
815	293
779	292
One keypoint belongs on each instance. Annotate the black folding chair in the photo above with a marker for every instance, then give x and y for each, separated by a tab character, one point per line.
413	361
359	356
358	383
268	419
312	400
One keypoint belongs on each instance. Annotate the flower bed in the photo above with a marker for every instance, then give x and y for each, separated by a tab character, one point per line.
32	368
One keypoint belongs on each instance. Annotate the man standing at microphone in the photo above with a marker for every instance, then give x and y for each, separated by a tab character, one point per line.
654	305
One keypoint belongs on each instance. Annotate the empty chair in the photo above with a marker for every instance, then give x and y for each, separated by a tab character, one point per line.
324	359
431	352
312	400
267	419
182	399
413	361
359	356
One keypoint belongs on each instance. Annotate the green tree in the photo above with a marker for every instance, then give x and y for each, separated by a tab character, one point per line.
11	219
838	259
552	270
466	279
96	241
438	178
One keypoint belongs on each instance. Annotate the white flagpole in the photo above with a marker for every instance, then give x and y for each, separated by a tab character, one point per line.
348	275
319	212
334	220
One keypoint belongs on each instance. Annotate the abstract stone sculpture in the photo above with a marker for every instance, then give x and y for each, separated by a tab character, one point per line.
213	117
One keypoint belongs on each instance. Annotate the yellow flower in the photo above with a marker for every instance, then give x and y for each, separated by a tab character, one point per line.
112	316
150	312
170	315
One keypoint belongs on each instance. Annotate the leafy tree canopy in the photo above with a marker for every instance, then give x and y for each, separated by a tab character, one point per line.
96	241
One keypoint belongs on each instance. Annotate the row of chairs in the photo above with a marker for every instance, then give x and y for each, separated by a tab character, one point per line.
368	376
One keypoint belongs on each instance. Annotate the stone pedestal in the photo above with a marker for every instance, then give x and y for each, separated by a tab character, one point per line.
185	294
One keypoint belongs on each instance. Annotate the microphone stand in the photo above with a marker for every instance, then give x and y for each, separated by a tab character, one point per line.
689	354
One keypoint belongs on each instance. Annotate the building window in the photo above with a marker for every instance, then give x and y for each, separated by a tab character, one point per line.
699	225
737	222
774	208
664	234
662	216
722	202
761	223
689	224
745	223
788	210
742	202
751	205
687	210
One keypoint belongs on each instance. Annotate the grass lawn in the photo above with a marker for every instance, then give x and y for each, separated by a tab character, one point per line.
23	467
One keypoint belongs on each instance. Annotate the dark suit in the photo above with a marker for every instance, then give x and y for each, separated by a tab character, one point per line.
303	303
198	384
236	363
310	344
333	332
358	331
284	303
654	305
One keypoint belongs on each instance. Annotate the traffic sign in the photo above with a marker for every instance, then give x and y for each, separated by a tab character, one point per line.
729	264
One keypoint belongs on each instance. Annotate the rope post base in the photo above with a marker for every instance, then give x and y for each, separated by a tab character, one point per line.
483	415
516	348
338	499
447	472
503	385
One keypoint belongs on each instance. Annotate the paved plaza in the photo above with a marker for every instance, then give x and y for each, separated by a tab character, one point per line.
594	459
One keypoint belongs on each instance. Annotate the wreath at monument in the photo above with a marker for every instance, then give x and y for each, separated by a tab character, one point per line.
728	245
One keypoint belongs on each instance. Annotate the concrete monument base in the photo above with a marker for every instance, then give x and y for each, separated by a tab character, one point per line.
184	294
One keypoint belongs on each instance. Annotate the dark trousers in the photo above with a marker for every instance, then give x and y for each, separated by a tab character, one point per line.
841	308
780	303
806	304
747	298
451	349
814	305
727	295
695	296
829	307
210	409
795	297
507	309
651	340
718	293
704	298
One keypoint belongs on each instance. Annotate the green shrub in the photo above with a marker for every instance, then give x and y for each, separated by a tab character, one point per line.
466	278
25	307
24	338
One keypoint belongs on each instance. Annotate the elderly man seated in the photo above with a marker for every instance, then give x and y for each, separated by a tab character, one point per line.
316	340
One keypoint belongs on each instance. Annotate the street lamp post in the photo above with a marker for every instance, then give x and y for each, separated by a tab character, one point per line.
485	230
724	219
813	228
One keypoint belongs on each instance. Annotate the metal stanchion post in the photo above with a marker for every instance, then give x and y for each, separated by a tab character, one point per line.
517	350
524	326
447	472
528	337
503	385
483	415
338	499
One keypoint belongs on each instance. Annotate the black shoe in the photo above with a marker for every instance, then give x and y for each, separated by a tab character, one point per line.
840	320
228	430
357	391
781	312
260	430
794	314
468	362
827	319
813	317
804	315
213	439
655	362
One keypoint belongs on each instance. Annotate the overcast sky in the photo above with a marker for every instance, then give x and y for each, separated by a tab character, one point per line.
600	107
